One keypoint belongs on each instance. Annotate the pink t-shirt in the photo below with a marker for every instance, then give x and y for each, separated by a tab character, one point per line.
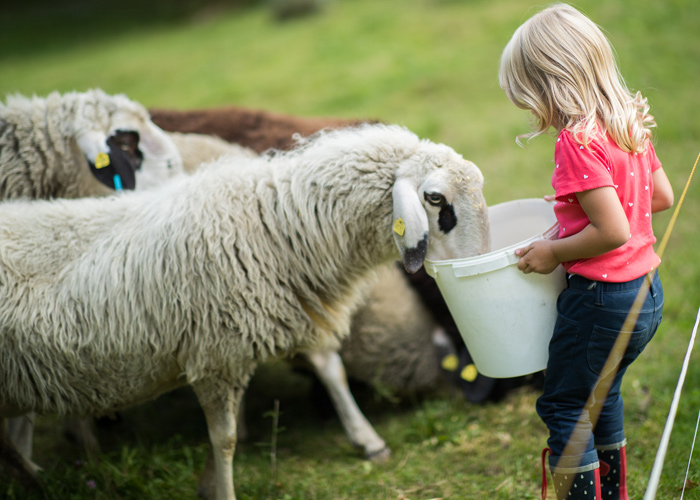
603	163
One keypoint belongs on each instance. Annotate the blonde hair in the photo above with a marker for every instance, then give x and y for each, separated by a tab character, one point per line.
560	65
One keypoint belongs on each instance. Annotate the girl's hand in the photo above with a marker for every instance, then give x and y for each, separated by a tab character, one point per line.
608	229
538	257
550	197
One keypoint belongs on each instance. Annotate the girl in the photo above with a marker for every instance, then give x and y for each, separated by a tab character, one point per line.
607	182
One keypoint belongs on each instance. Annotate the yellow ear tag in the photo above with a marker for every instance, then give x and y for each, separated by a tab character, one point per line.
450	363
399	227
101	160
469	373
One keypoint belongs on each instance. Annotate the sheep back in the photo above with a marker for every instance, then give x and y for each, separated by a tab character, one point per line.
197	149
40	155
256	129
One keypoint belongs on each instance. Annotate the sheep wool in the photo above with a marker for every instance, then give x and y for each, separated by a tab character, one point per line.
105	303
197	149
395	344
256	129
59	145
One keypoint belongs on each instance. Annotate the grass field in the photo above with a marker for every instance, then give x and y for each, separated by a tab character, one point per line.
430	65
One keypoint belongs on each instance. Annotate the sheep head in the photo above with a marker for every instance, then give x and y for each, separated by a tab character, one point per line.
123	147
439	209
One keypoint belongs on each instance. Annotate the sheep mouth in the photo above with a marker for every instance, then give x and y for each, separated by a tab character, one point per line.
413	257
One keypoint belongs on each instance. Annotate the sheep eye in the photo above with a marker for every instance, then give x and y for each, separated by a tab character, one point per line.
435	199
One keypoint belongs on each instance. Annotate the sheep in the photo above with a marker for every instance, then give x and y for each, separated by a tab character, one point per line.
276	129
198	149
258	130
395	343
80	144
107	303
50	146
394	351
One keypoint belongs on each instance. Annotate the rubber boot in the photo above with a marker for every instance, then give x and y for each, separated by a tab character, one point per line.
613	471
577	485
580	483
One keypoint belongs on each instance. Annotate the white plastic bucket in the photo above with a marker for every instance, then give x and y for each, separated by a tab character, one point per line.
505	317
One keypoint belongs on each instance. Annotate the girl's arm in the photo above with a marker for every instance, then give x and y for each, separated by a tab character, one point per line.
662	196
608	229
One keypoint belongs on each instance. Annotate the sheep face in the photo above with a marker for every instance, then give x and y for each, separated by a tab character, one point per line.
439	209
123	147
161	158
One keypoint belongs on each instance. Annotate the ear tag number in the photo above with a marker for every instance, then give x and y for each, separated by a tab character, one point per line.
101	160
399	227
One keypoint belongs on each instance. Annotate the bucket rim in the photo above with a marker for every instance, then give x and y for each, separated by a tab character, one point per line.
549	234
502	257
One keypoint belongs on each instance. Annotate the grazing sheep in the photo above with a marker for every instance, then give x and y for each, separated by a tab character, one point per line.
107	303
80	144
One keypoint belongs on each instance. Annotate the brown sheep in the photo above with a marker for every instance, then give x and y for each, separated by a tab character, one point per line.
255	129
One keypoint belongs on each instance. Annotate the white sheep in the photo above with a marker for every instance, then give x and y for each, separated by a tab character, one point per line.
75	145
80	144
198	149
105	303
395	344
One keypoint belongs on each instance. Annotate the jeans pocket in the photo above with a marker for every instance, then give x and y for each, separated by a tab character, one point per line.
601	345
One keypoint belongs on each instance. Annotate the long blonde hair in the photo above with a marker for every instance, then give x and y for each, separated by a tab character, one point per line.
560	66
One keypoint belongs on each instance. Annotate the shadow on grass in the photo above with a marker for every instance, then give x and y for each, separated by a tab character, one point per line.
163	443
303	403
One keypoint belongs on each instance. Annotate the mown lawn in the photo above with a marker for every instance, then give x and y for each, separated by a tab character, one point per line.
432	66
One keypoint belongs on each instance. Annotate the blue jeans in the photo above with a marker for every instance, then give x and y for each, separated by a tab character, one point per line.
590	317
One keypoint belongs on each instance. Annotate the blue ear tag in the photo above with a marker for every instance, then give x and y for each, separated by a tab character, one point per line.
117	182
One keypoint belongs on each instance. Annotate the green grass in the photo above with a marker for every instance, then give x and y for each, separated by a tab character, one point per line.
432	66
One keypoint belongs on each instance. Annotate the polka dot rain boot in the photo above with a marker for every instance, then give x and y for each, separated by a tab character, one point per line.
613	471
581	483
577	485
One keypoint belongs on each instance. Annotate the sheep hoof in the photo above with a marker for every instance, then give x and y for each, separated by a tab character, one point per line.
379	456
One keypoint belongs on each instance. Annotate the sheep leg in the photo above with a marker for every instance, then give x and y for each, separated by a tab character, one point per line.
20	431
13	464
329	368
81	430
220	405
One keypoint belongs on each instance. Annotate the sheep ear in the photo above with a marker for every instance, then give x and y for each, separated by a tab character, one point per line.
410	225
92	143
